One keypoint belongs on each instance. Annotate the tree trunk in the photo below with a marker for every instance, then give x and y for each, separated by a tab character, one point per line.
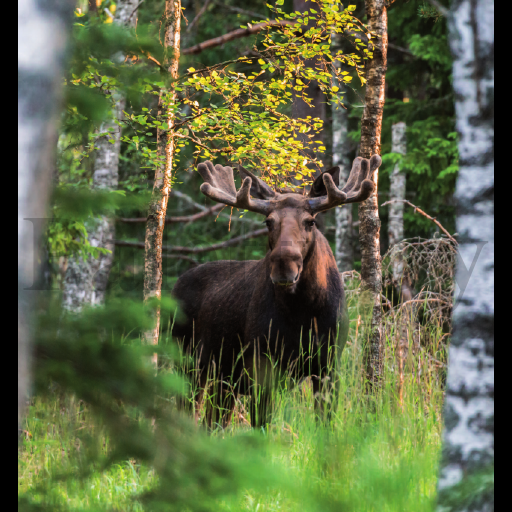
86	279
343	216
396	211
300	109
369	230
163	174
40	26
468	453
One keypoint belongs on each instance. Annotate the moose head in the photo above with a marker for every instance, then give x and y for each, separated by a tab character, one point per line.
290	217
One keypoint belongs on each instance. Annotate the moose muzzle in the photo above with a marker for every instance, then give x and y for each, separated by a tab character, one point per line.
285	264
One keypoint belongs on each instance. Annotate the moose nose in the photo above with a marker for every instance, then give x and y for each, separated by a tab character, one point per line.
286	265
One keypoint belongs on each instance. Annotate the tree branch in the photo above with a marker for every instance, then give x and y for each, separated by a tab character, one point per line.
420	211
197	250
181	257
400	49
199	14
175	220
243	11
135	10
234	34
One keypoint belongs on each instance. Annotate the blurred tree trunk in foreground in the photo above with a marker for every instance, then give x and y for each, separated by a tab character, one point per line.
467	468
86	279
42	37
369	229
396	211
162	185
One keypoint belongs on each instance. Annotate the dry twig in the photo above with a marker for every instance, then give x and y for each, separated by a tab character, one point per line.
420	211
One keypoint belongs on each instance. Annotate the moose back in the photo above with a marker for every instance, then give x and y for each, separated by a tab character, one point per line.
249	322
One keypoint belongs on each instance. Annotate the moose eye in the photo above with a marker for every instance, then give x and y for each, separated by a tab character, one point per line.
310	223
268	223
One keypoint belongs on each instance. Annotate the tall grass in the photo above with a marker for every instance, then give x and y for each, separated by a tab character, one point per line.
362	453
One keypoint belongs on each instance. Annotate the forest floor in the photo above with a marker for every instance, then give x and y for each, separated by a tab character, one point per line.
370	454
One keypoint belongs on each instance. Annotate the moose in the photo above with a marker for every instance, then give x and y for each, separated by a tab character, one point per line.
250	320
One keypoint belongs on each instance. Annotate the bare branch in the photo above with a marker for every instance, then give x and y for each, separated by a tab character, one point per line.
181	257
401	49
420	211
197	250
135	10
175	220
234	34
199	14
243	11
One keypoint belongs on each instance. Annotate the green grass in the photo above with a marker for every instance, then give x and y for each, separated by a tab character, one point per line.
377	453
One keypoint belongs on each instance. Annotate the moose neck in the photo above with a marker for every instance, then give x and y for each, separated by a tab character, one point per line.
312	289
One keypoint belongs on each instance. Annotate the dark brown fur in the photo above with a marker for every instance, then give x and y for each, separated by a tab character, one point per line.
287	303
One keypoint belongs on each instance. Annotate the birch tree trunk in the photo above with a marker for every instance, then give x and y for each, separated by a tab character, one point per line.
369	230
343	216
466	481
43	29
86	279
163	174
396	211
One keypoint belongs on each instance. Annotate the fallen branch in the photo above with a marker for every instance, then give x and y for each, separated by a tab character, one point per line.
234	34
198	250
420	211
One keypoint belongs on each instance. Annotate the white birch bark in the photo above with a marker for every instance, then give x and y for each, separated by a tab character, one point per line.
43	29
396	210
468	452
343	216
86	279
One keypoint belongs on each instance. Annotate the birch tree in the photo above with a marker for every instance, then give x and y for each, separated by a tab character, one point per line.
369	229
466	480
87	277
343	216
163	175
42	36
396	209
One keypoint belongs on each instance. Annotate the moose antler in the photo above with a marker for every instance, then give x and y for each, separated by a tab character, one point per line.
219	185
358	187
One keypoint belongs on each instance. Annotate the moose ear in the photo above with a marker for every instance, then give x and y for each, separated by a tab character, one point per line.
259	189
318	188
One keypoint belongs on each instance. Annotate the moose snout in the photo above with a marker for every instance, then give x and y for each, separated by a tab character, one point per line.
285	265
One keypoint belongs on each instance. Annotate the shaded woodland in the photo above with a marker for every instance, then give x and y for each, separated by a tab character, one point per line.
293	93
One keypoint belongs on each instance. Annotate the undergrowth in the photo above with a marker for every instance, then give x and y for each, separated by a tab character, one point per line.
366	453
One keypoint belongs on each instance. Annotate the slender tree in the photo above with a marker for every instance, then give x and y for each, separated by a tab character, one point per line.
42	37
343	216
396	210
87	277
369	230
162	185
466	480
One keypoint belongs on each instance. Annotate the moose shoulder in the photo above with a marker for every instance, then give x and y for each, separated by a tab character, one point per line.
244	317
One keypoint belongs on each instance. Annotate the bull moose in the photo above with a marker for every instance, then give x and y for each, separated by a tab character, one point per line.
247	318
